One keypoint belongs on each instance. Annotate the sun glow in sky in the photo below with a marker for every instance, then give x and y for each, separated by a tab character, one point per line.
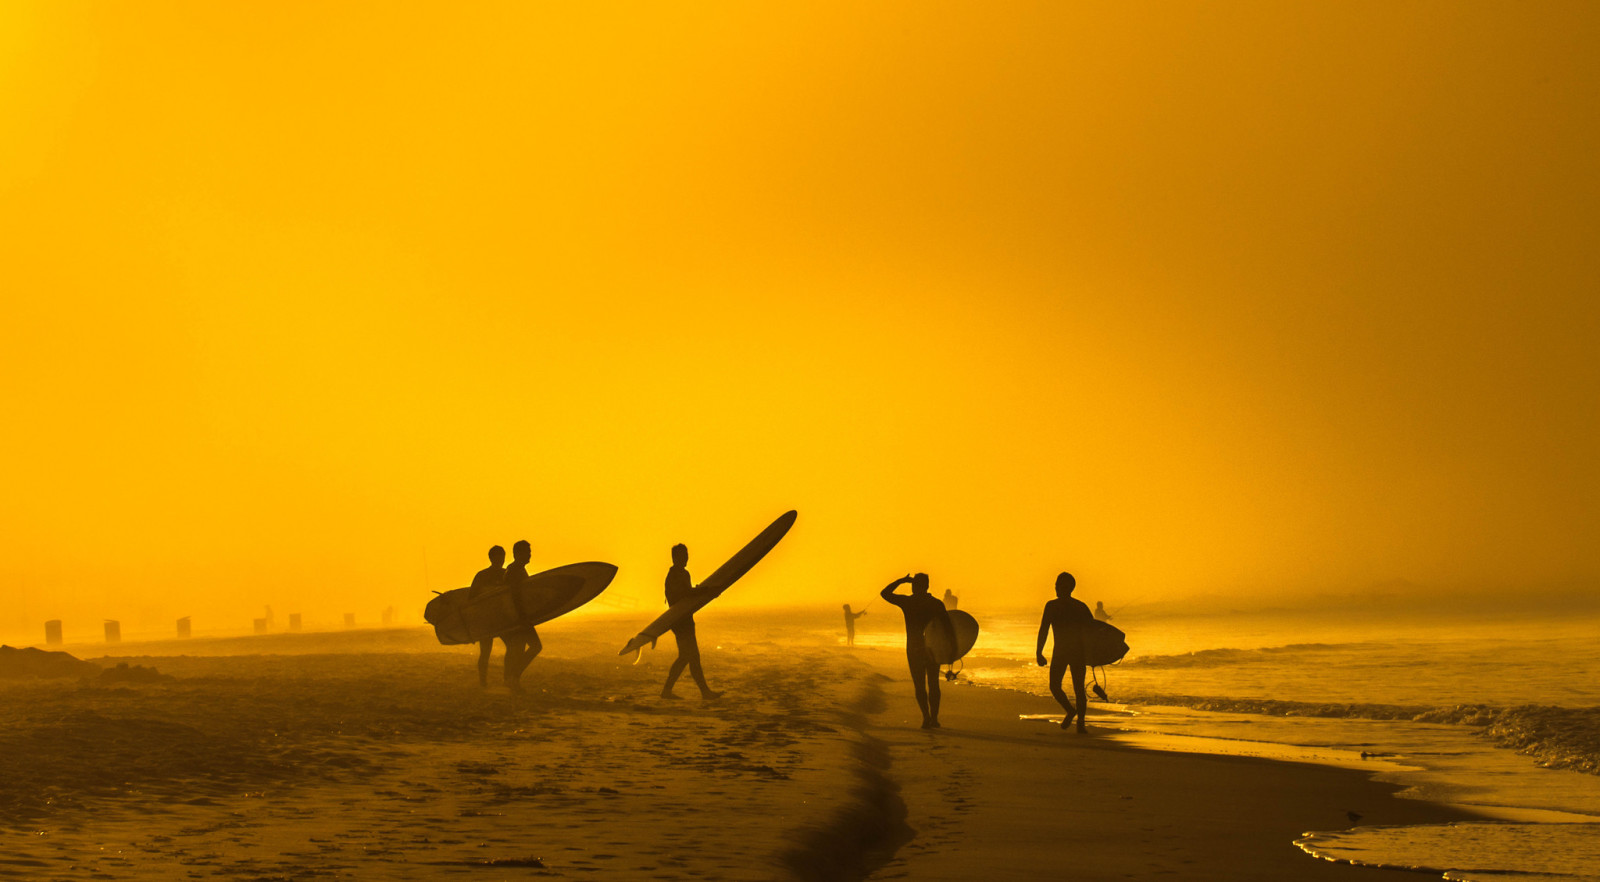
308	304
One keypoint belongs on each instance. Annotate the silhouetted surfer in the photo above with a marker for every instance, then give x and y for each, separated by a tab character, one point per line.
951	601
1100	613
919	609
850	625
522	645
679	588
1068	618
491	576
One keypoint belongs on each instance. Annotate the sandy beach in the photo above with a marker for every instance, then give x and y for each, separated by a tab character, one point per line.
375	755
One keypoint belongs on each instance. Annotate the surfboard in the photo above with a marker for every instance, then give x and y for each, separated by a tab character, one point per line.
1106	644
950	636
457	618
718	582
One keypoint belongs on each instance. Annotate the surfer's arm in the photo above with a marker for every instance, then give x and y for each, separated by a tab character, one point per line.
888	590
700	594
1044	631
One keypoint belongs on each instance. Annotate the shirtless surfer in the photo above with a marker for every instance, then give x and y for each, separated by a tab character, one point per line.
919	609
491	576
1069	619
679	589
522	645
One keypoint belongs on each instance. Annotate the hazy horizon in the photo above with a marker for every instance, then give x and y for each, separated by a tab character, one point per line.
309	306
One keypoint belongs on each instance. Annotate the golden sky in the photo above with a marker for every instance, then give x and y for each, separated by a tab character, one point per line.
308	304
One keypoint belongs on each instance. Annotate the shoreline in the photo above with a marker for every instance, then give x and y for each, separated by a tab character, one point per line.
1001	797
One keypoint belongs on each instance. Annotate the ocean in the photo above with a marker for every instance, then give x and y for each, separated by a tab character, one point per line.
1499	713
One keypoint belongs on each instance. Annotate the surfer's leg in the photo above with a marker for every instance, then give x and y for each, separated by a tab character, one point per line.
1083	699
514	666
916	661
697	672
932	673
1058	669
530	648
673	673
485	647
685	643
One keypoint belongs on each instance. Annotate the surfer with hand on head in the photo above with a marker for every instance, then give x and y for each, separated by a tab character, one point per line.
919	608
680	589
522	645
491	576
1069	619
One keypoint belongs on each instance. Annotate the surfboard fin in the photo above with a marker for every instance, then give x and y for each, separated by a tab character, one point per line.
638	654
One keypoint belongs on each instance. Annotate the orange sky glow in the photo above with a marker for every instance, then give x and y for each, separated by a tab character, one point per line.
308	304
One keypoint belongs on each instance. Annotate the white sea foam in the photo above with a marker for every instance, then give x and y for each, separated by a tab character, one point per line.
1471	852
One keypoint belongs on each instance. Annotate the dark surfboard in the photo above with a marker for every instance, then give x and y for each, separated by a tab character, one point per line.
1106	644
457	618
716	583
950	636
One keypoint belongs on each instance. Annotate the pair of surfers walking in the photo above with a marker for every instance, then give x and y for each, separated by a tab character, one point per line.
523	644
1065	618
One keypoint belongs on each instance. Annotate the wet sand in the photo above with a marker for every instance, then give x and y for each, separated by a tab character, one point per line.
992	796
375	755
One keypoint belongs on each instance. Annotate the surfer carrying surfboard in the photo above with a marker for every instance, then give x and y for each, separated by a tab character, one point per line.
1069	618
680	589
522	645
919	608
491	576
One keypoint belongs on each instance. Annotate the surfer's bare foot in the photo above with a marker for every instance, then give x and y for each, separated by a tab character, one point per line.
708	694
1066	721
928	724
666	694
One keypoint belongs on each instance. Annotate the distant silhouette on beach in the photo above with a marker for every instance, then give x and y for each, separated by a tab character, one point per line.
1067	617
679	588
491	576
1100	611
522	645
850	625
951	601
919	609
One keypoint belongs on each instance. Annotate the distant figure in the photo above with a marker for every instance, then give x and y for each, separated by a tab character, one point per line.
679	589
491	576
850	625
1067	618
919	609
272	622
1100	613
950	599
522	645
